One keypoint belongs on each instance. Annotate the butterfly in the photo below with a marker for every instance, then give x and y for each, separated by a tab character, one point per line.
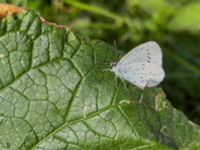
142	66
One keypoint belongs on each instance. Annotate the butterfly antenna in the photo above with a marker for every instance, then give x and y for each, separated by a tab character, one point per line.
115	50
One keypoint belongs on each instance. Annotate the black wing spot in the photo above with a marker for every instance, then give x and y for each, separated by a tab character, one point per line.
148	61
148	57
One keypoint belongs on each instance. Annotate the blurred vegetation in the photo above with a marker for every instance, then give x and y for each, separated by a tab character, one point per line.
175	25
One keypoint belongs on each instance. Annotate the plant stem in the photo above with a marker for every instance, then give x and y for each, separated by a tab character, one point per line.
185	63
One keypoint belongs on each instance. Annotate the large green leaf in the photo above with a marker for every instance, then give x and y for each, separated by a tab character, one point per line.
56	94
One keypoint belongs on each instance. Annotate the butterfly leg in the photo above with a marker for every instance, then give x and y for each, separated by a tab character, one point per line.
124	83
141	97
106	70
141	94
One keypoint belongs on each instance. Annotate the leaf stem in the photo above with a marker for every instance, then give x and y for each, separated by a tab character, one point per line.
95	9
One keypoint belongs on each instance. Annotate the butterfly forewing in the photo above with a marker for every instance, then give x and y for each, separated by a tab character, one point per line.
148	52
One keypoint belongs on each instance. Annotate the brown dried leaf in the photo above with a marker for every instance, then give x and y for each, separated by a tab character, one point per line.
6	9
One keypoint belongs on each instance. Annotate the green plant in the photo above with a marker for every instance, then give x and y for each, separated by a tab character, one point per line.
55	94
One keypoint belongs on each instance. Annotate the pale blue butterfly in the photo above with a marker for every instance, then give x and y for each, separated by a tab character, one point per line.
142	66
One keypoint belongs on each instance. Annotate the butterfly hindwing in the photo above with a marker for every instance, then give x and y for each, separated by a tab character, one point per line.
142	74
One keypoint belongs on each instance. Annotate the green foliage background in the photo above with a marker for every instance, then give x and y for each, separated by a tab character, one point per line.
175	25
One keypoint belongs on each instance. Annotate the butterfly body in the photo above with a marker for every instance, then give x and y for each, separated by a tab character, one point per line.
142	66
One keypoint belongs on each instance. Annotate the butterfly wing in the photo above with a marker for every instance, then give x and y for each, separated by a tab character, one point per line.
149	52
142	74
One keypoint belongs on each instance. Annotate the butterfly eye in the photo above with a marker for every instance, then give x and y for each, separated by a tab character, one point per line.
113	64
